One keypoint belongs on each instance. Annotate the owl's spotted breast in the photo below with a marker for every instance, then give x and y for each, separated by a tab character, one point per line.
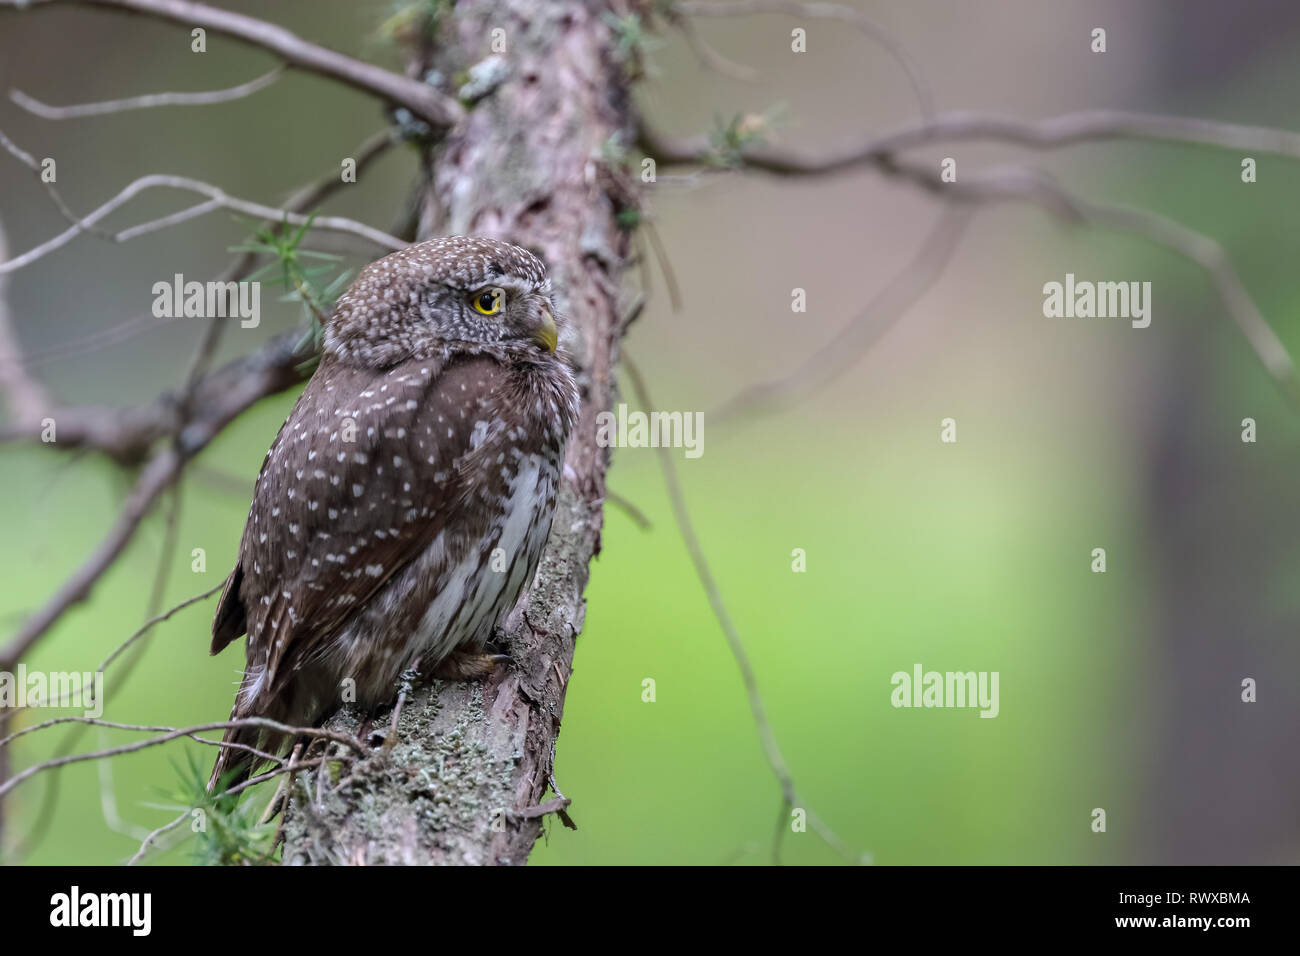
456	591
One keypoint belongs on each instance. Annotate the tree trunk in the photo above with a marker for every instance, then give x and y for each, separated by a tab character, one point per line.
465	780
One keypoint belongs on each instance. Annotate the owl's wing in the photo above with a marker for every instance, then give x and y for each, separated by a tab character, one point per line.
333	520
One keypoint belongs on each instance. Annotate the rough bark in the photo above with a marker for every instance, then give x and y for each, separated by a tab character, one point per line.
471	767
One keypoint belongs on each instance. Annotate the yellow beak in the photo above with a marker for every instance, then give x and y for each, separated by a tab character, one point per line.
546	334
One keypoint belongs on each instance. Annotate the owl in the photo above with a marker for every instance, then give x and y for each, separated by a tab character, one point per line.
404	504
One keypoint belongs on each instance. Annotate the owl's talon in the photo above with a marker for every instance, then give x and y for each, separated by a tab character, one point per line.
463	666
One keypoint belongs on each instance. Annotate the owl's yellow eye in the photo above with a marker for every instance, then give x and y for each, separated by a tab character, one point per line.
488	302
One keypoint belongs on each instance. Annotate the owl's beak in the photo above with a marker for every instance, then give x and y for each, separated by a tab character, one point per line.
546	334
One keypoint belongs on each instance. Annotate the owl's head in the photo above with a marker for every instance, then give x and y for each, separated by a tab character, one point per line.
448	293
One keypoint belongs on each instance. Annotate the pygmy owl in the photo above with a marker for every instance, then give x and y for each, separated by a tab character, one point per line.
404	504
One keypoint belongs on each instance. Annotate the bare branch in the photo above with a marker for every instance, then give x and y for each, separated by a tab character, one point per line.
218	199
28	160
148	101
1065	130
155	621
424	101
166	222
1069	129
1210	256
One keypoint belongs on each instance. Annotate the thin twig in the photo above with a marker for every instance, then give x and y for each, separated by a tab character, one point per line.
278	835
108	800
86	722
166	222
30	161
148	101
173	734
555	805
148	841
407	677
167	553
280	792
562	812
154	621
628	508
116	725
219	200
665	265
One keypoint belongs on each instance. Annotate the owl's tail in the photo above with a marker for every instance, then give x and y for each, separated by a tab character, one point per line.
249	748
235	763
239	757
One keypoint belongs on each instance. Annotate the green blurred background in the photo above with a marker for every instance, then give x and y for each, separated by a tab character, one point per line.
1119	691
